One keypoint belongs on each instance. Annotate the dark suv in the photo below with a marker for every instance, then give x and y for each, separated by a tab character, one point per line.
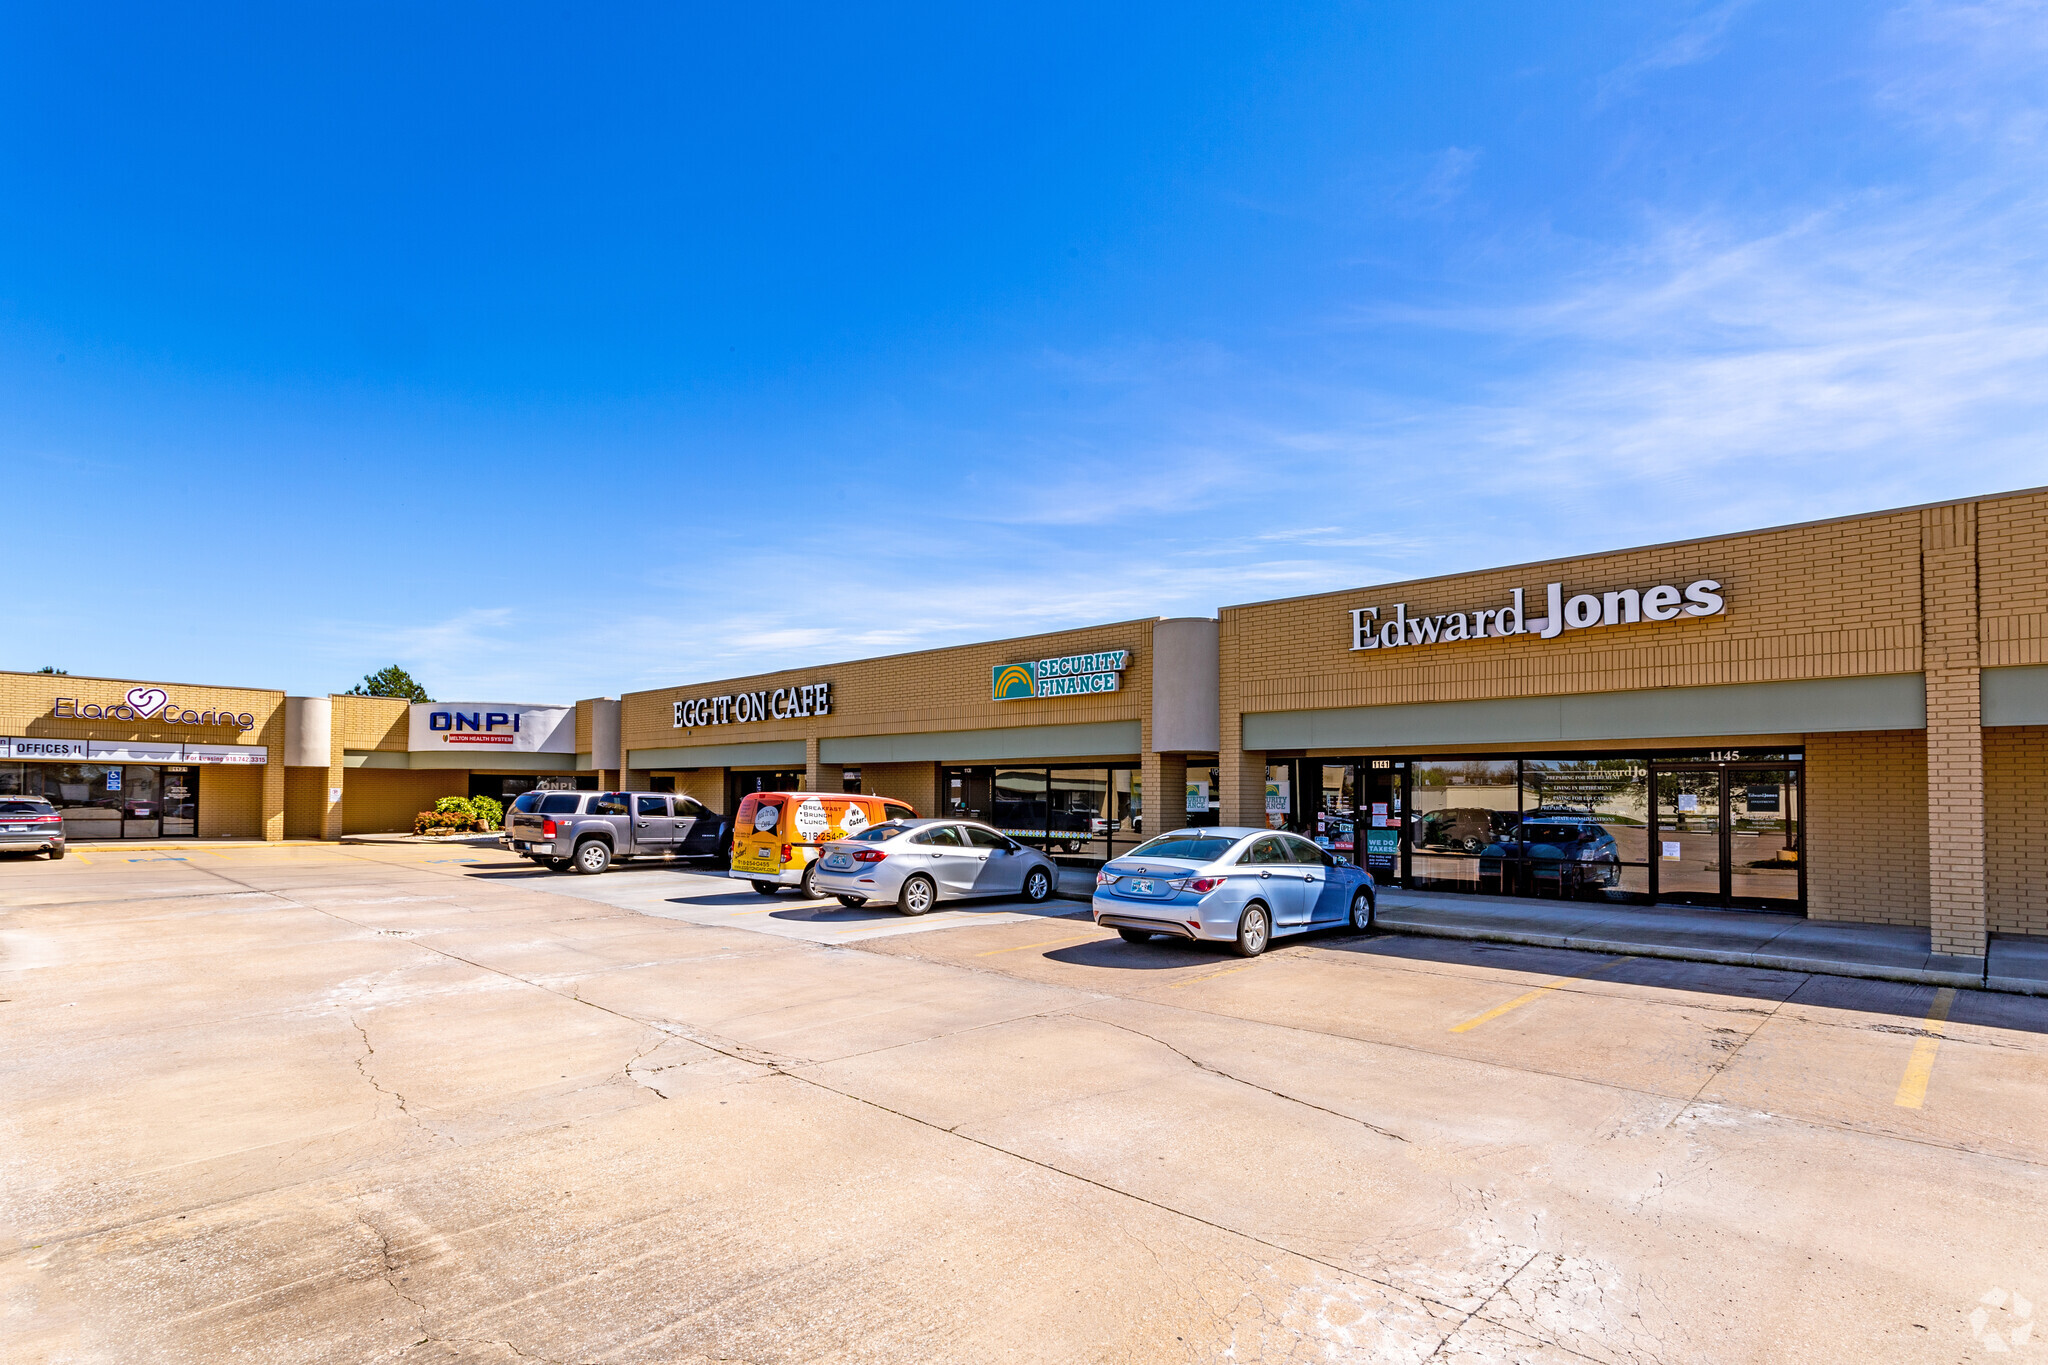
30	824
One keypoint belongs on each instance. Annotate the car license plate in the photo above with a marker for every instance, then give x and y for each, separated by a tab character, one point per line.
17	829
1141	887
839	860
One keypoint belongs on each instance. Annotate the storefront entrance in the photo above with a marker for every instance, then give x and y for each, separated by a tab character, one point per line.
112	800
744	784
1723	829
1089	813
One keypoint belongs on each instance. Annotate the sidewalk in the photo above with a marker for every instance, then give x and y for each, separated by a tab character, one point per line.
1734	937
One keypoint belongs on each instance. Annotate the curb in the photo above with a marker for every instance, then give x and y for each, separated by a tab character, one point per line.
1869	971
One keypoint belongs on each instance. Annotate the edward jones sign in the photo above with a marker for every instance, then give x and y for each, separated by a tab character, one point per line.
1581	611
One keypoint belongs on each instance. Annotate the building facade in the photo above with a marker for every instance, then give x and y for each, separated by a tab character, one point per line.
1846	719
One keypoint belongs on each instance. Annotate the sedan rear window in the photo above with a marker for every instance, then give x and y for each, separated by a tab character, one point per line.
1195	848
25	808
560	803
875	834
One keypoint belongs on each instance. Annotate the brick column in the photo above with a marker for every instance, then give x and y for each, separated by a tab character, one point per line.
1241	776
1955	737
814	771
331	813
1165	791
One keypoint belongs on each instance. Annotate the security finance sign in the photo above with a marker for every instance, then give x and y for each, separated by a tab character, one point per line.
1074	675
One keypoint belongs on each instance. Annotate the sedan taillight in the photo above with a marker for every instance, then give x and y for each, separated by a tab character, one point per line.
869	855
1202	886
547	829
1104	879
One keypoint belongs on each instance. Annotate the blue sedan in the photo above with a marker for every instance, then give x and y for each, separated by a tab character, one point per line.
1244	887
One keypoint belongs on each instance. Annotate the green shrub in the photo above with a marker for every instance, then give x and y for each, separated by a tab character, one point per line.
490	812
443	822
455	805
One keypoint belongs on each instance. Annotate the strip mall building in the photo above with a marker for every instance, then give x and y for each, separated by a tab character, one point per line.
1846	719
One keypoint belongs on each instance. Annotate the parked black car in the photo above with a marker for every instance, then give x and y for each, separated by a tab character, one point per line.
1551	856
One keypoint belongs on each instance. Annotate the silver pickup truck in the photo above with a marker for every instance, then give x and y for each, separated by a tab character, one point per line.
589	831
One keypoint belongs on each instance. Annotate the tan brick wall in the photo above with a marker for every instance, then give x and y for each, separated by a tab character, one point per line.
706	785
1866	827
231	801
385	800
2012	568
1955	736
2015	814
931	690
373	723
917	783
305	802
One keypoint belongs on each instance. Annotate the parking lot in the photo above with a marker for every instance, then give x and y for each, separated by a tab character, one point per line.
406	1103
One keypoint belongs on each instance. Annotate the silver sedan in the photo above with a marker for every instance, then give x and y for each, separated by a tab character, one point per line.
918	863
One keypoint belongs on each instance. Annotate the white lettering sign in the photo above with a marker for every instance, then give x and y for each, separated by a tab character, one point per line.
1581	611
486	727
740	708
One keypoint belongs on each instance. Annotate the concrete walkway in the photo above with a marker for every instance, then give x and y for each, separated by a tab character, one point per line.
1735	937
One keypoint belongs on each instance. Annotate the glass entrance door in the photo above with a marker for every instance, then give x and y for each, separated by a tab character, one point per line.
1765	829
1690	825
1730	837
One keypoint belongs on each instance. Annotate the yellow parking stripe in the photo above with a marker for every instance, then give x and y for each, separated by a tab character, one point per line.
1546	988
1077	938
1920	1066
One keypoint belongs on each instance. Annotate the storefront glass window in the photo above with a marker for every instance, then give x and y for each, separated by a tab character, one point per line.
1336	823
1021	805
1689	835
1080	804
1763	834
1461	827
1586	828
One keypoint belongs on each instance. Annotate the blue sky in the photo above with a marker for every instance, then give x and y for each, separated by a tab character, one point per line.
557	352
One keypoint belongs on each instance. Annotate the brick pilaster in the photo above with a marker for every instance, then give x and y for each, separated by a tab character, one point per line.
814	770
1165	778
1241	777
1955	737
331	810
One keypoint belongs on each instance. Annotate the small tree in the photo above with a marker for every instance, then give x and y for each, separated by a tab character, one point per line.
389	682
59	672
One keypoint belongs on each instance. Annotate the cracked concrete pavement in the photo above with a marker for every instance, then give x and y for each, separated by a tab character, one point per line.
363	1104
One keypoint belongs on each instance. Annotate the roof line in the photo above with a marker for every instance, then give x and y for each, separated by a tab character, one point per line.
1640	549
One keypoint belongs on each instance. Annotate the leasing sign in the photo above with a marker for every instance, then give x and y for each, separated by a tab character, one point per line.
1580	611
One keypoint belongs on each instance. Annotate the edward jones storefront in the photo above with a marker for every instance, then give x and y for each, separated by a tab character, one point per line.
1844	718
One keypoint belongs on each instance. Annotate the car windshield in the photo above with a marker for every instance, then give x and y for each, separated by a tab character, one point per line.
1554	834
1194	848
875	834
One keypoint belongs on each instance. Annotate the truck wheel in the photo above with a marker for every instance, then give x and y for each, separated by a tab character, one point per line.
765	888
809	885
55	854
919	894
853	902
592	857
